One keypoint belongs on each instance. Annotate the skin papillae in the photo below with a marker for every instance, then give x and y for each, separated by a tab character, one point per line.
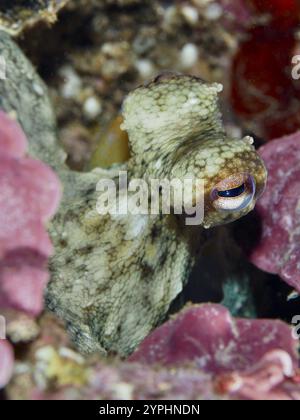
114	277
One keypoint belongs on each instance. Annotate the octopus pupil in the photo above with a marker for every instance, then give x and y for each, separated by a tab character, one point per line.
235	192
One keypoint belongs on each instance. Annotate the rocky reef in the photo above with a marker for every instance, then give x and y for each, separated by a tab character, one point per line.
71	114
278	248
30	193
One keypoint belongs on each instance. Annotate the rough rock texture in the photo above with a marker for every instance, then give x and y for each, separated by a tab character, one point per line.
209	336
214	354
278	249
269	379
30	193
15	15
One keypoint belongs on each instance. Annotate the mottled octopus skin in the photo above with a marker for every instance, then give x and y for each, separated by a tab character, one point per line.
114	277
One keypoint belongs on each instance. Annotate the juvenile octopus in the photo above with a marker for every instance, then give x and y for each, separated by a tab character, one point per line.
115	276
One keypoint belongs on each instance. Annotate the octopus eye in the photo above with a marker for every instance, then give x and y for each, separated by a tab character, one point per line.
234	193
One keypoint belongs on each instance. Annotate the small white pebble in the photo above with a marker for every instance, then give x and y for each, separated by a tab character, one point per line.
169	16
189	55
145	68
21	368
45	353
92	108
213	11
123	391
72	83
190	14
67	353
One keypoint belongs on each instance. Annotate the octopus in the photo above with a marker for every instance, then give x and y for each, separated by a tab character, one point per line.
115	275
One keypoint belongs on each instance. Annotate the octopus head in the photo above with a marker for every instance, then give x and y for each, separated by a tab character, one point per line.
176	132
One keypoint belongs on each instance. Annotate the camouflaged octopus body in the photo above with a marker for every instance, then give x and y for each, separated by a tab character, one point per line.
114	277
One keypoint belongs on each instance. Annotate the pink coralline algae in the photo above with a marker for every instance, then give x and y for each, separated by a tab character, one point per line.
248	359
278	249
209	335
6	362
202	353
268	380
30	193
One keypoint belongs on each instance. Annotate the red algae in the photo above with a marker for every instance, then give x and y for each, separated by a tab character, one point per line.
264	95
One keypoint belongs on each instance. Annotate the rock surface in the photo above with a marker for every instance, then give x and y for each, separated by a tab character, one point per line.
207	335
278	249
16	15
30	193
